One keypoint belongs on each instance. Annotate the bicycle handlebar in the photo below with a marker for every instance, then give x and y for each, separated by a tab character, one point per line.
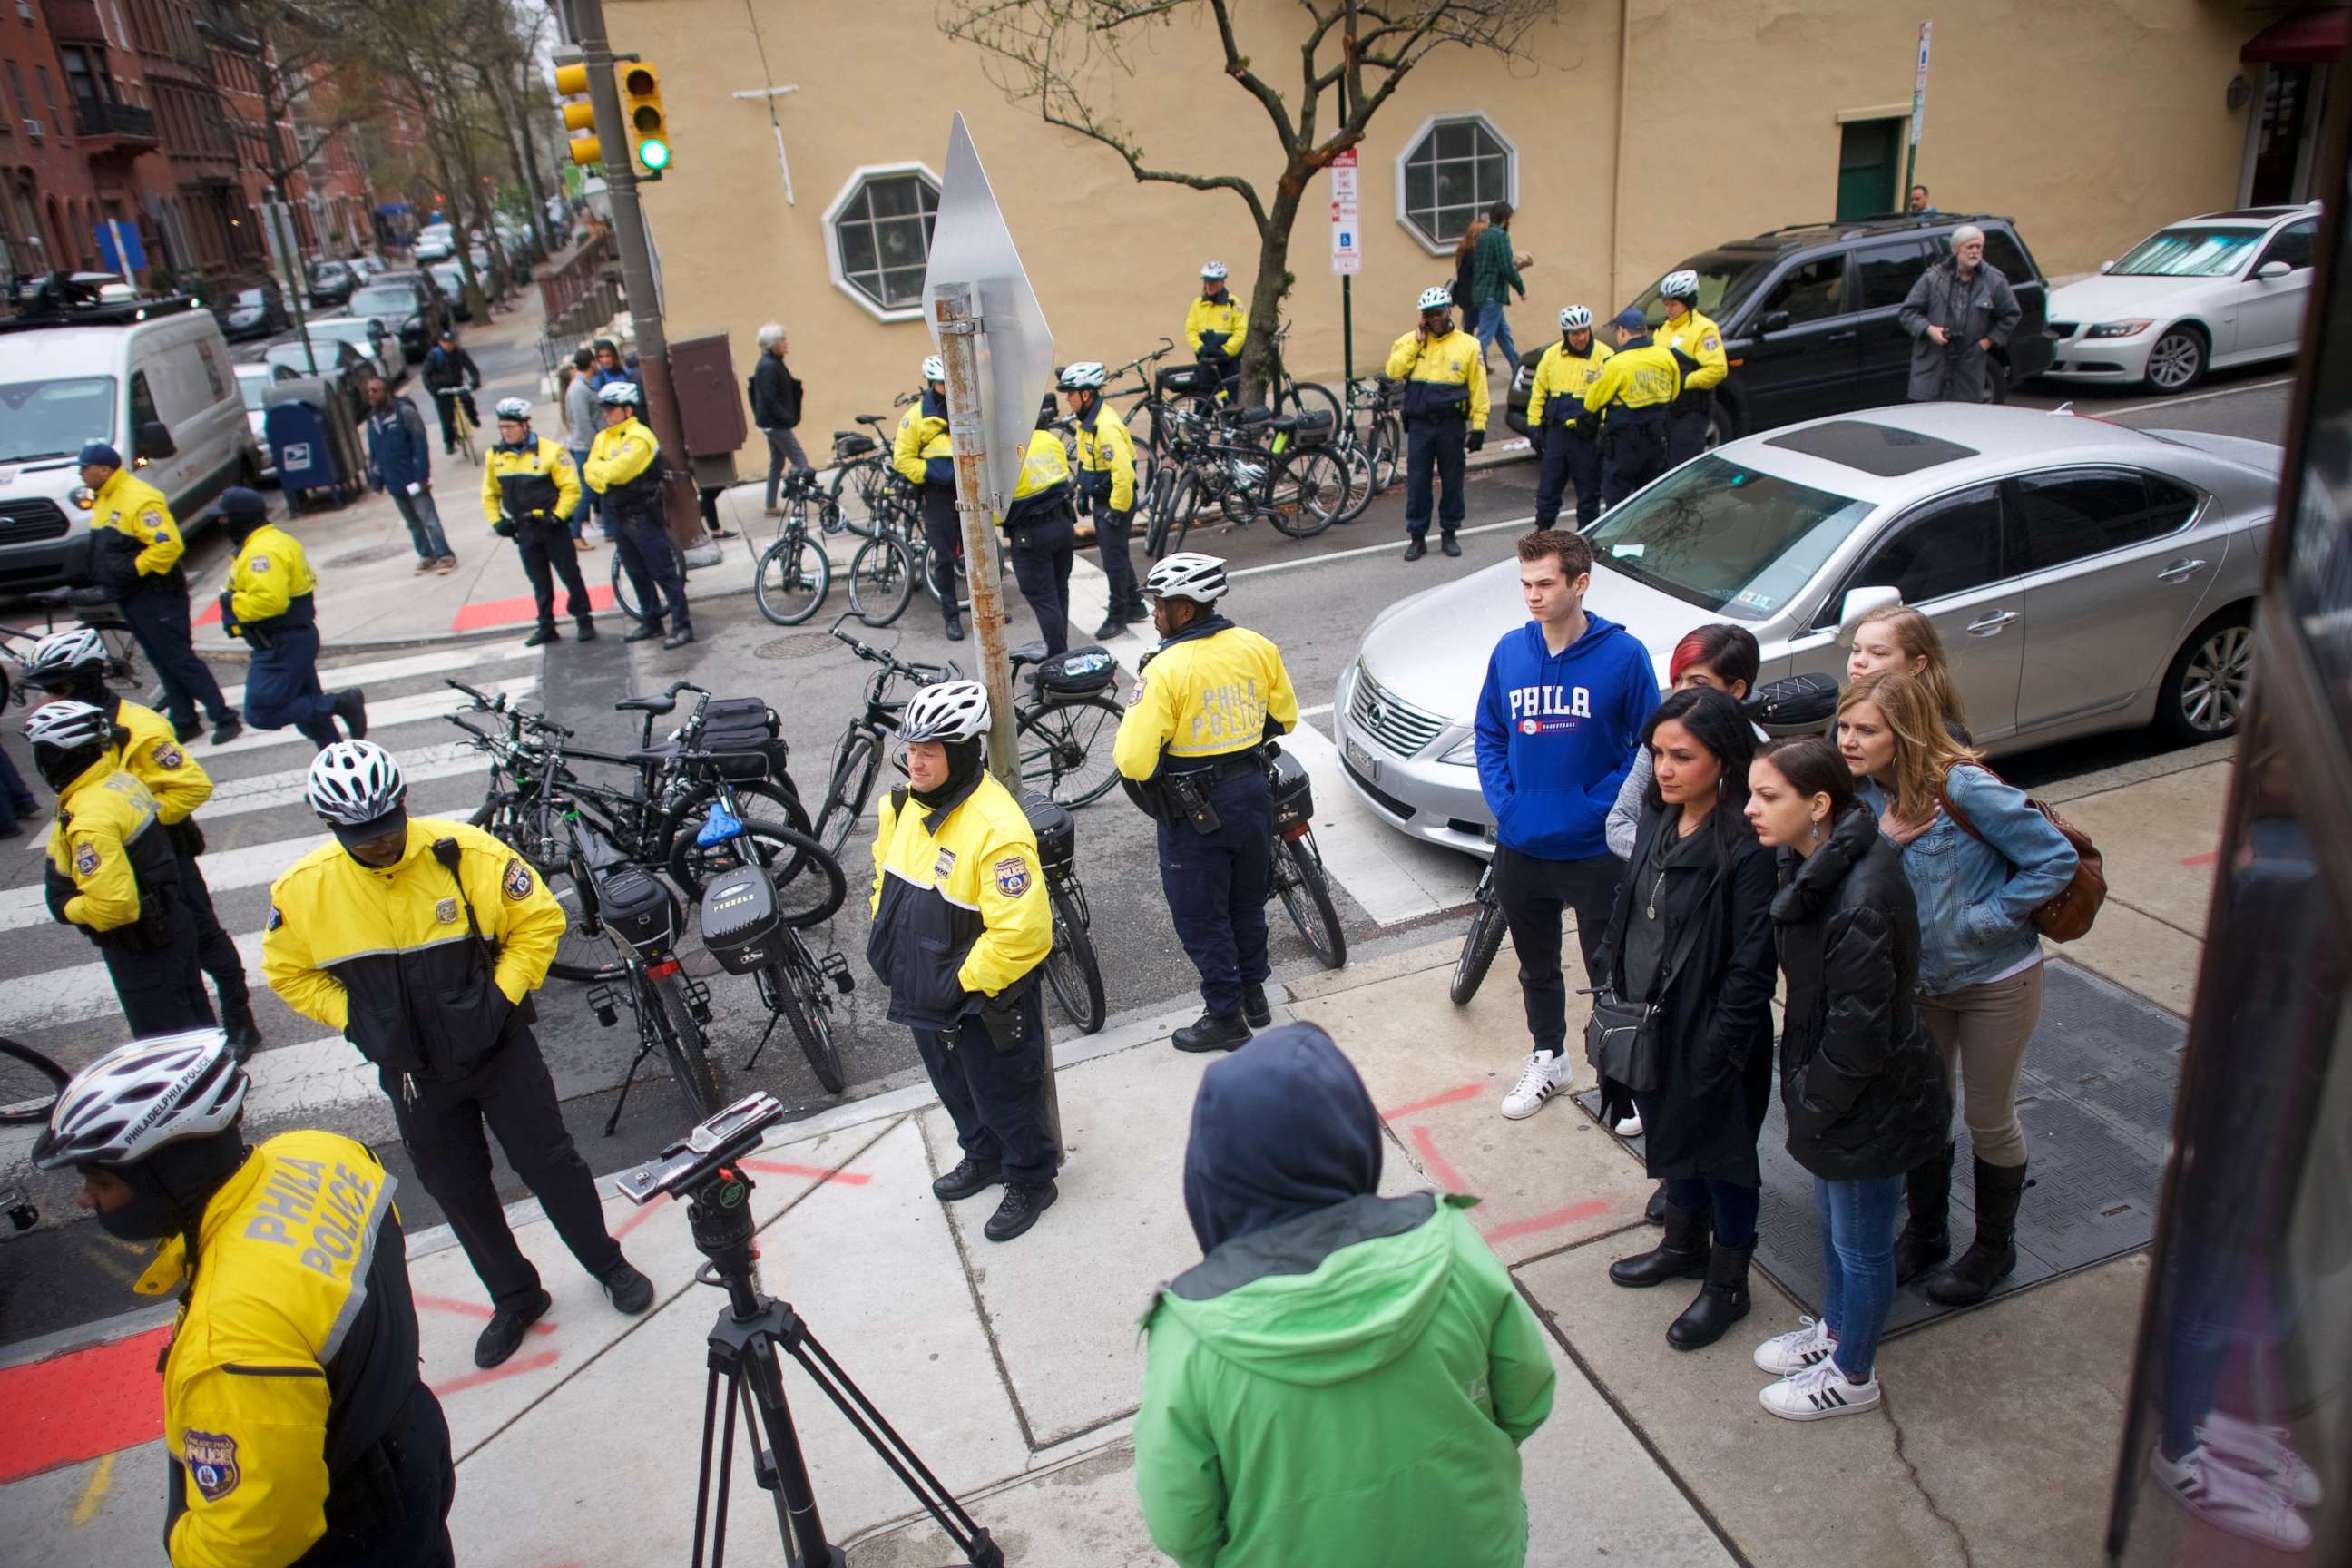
482	700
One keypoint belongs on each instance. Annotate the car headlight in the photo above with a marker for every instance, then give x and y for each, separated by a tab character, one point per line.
1464	753
2118	329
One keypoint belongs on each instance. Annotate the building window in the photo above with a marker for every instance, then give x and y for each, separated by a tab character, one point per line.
1456	167
879	237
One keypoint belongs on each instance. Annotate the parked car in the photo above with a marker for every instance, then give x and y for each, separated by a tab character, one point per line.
409	303
255	312
450	279
332	282
365	267
370	336
251	380
435	242
2204	294
1809	312
2084	577
326	357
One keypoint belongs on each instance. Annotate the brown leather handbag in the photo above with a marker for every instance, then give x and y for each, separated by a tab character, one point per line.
2070	910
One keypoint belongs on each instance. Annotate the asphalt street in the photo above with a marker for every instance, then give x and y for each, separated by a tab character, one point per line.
1313	597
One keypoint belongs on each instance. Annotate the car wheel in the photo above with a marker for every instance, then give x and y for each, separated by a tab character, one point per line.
2177	363
1996	382
2204	691
1718	427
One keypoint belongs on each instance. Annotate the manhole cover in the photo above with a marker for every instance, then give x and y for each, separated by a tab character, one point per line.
372	554
800	647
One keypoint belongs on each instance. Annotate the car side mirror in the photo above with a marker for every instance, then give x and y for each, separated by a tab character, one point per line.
1860	602
2106	266
2270	270
155	441
1772	321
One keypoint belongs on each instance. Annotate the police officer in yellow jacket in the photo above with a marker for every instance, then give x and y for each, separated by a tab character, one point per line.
112	871
1636	388
70	666
136	561
923	456
1191	748
296	1427
1444	417
1216	325
1041	528
269	605
531	493
1566	437
626	467
422	941
1106	478
961	924
1696	343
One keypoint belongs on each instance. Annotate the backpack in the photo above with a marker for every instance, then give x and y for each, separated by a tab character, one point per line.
2073	908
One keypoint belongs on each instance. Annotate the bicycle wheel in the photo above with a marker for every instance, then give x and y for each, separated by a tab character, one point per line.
690	1063
800	998
1066	748
1298	878
794	579
845	794
1359	482
584	953
881	580
693	865
625	587
1182	510
1159	507
1387	450
1309	397
1483	939
1070	966
29	1085
1320	489
801	900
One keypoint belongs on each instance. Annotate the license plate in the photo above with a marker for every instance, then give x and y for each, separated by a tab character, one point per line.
1362	761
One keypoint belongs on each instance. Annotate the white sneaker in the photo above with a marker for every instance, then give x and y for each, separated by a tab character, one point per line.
1785	1355
2262	1451
1631	1127
2246	1505
1818	1393
1543	1077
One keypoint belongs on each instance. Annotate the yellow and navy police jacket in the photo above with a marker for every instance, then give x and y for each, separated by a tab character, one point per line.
1042	493
1563	378
1640	380
1696	344
1225	316
147	537
624	468
386	956
1106	458
1444	378
155	756
537	475
1207	691
921	452
294	1354
110	857
960	909
270	582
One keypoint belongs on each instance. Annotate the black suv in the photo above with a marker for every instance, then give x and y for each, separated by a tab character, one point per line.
1807	316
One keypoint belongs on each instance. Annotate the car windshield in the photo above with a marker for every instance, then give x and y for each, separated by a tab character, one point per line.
395	303
1724	282
53	418
1723	537
2188	251
292	356
249	297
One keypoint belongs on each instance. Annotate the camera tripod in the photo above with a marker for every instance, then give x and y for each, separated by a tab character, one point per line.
750	1329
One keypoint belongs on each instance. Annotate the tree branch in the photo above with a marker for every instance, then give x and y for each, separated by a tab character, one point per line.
1237	68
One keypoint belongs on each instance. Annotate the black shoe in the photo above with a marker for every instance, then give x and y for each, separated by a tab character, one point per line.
1655	1210
1416	548
641	631
187	730
1023	1202
630	1292
1256	1010
10	830
1212	1032
350	706
1722	1301
1449	545
1993	1253
969	1177
507	1326
1112	626
1927	1239
542	636
1136	612
955	629
244	1033
227	730
1681	1256
680	638
587	632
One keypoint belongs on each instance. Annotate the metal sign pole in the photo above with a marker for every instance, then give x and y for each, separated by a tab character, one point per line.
1919	116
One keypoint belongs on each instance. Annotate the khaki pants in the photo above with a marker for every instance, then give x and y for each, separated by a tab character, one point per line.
1983	1031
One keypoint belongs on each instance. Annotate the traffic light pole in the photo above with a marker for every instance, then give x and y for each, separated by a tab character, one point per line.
678	502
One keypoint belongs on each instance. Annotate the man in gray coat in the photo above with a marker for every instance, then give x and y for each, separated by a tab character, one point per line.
1959	311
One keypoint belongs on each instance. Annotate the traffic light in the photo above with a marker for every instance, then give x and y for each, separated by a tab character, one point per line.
579	114
642	111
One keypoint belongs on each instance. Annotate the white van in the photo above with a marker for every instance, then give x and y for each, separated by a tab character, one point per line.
151	378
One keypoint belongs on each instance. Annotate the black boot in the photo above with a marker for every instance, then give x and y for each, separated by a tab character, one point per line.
1023	1203
1722	1301
1417	548
969	1177
1213	1032
679	638
1256	1011
1448	543
244	1033
1112	626
546	633
1681	1256
642	631
229	728
955	629
587	630
1992	1253
350	706
629	1290
507	1326
1655	1210
1927	1239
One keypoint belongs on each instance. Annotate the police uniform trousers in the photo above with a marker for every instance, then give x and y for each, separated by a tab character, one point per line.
1568	458
216	954
1434	447
1217	884
1218	376
159	619
1112	531
1686	428
398	1516
942	536
996	1098
1041	554
281	687
162	989
653	565
1637	454
548	552
510	1093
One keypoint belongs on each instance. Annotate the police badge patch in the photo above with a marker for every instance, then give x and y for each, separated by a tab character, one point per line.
1012	876
445	911
86	860
258	563
517	880
1710	342
212	1463
277	917
168	755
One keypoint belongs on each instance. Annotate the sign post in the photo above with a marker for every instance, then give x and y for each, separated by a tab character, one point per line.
1919	116
1347	249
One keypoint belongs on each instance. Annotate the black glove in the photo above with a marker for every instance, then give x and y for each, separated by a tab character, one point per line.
1536	439
504	528
228	616
1477	439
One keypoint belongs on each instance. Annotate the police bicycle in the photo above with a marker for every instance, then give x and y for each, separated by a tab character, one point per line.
794	577
103	616
744	930
863	486
1251	462
1299	879
29	1086
1373	423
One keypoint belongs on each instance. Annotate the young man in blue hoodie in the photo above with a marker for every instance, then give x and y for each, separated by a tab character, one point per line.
1562	710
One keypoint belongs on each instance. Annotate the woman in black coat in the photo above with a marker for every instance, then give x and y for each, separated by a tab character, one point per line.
1861	1080
1691	933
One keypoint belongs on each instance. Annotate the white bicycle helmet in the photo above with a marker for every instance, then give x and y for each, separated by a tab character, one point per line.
1576	319
1682	284
951	710
66	725
514	408
1086	375
355	782
1188	574
1212	269
618	394
1439	298
935	369
137	1098
58	656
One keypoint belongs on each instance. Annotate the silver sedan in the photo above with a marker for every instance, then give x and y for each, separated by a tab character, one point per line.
2084	577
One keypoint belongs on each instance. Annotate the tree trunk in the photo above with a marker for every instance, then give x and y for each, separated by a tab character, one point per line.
1274	281
525	155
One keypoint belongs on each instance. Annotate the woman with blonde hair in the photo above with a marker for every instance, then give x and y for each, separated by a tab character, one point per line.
1980	860
1898	637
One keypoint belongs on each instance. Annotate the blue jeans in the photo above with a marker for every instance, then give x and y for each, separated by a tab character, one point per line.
1857	1222
1732	1206
590	501
424	520
1494	325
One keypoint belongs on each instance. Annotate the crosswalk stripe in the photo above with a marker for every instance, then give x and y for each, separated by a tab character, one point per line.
381	716
442	661
226	871
267	791
79	993
1394	878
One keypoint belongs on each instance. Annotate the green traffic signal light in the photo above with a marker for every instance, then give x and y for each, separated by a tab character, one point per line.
654	154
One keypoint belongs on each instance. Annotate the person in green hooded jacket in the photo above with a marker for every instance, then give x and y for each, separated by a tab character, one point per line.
1343	1378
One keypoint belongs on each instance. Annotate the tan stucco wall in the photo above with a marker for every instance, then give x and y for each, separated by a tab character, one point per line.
2090	121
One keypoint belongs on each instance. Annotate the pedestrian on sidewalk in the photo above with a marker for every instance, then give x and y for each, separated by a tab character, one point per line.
1494	275
400	464
1105	470
1634	396
1444	417
1959	313
269	605
136	563
1566	699
295	1425
18	801
451	376
531	493
960	925
1898	637
1344	1378
1463	290
1565	437
580	424
609	368
922	456
1861	1088
627	469
776	408
421	940
1981	859
1041	530
1690	937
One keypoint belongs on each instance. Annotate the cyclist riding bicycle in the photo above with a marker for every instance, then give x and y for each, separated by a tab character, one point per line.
451	375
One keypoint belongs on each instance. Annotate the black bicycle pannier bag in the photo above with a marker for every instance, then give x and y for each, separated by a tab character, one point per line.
1081	672
739	921
1293	794
742	733
639	909
1057	833
1794	705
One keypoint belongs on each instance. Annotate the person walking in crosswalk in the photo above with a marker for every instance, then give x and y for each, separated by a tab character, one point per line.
268	606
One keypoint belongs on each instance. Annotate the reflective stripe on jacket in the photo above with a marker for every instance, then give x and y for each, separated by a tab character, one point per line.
921	452
1207	691
1444	378
270	582
958	910
1107	457
1563	378
537	476
107	853
1642	380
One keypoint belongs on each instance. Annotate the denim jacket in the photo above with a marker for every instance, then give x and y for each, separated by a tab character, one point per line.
1976	897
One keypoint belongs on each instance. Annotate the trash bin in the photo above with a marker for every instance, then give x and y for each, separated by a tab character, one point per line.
301	420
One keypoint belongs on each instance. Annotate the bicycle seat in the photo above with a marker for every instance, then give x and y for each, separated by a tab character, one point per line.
877	420
1251	414
1027	653
645	704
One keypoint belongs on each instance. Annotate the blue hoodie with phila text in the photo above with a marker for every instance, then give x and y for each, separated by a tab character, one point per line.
1556	734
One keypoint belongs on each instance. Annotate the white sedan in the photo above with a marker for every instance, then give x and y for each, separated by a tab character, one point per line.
2213	291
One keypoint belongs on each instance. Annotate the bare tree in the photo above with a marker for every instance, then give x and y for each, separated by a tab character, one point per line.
1066	57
